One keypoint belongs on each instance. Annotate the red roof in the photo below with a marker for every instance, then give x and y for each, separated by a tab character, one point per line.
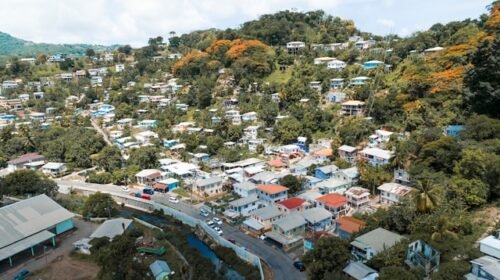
160	186
154	175
350	224
276	163
272	188
333	200
292	202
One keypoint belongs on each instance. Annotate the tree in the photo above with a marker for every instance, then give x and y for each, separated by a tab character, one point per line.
481	127
287	130
144	157
109	159
90	53
127	49
174	42
99	205
426	196
329	254
396	273
483	80
292	182
439	155
452	270
474	192
27	182
372	177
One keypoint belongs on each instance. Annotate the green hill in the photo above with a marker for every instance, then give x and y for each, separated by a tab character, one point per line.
12	46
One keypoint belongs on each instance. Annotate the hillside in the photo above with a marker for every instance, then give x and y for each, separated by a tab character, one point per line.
12	46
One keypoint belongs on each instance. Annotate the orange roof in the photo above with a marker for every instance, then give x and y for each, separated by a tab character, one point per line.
292	202
333	200
350	224
276	163
272	188
324	152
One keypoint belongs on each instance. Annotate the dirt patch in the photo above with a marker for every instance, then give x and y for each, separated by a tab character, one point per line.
488	217
68	268
268	272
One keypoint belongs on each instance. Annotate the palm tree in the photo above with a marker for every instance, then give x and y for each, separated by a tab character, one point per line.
426	197
442	230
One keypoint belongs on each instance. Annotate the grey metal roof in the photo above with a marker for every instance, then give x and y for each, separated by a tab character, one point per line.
111	228
244	200
253	223
290	222
316	214
28	217
245	186
209	181
358	270
377	239
328	168
24	244
158	267
267	212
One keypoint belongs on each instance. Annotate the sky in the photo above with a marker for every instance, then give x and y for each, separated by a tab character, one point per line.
134	21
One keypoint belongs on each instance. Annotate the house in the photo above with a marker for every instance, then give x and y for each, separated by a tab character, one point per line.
336	83
345	227
148	124
119	68
288	232
244	206
96	81
487	267
325	172
267	216
372	64
145	137
166	185
54	168
245	189
353	108
422	255
264	177
209	187
335	97
251	132
360	271
160	270
392	193
181	170
310	196
272	193
295	47
336	64
376	156
248	117
112	228
318	219
335	203
402	177
347	153
315	85
20	161
359	81
368	245
148	177
292	205
323	60
122	123
31	223
333	185
357	197
453	130
9	84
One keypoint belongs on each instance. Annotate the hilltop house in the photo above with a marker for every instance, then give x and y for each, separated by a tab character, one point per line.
392	193
295	47
345	227
54	168
323	60
487	267
209	187
353	108
245	189
21	161
335	97
292	205
372	64
318	219
272	193
357	197
336	83
325	172
376	156
288	231
422	255
347	153
368	245
359	81
148	177
335	203
336	64
244	206
266	216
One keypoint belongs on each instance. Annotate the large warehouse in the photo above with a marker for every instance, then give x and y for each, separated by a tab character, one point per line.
28	223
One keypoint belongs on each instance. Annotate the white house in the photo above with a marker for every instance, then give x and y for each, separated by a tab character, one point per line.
392	193
244	206
119	68
295	47
323	60
248	117
245	189
272	193
54	168
336	64
353	108
209	187
357	197
376	156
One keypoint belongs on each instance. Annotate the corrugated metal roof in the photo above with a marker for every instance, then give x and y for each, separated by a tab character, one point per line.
24	244
28	217
111	228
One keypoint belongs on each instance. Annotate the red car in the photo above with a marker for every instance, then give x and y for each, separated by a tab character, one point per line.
146	196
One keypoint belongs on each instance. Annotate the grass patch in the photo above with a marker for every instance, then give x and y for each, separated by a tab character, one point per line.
279	77
181	191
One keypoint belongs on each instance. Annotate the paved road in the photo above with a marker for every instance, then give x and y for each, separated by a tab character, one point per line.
84	229
280	263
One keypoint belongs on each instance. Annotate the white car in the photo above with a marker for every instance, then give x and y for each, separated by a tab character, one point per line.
125	189
173	199
204	213
217	221
262	237
219	231
210	223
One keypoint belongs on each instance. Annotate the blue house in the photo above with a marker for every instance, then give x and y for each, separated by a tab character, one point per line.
170	143
160	270
166	185
148	124
421	254
359	81
335	97
453	130
325	172
336	83
372	64
318	219
8	118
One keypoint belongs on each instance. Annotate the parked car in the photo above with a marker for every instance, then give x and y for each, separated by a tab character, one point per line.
173	199
125	189
210	222
262	237
216	228
299	265
146	196
232	240
203	212
22	275
217	221
220	232
148	191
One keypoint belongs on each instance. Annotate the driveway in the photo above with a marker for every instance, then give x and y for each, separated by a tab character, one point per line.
40	261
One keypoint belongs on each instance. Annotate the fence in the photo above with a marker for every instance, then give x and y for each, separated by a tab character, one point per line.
193	222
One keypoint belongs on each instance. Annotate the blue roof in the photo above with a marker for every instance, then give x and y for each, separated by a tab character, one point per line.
159	267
